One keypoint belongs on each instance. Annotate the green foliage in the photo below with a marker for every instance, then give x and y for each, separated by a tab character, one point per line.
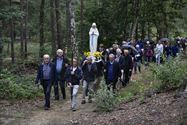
17	87
170	74
130	91
105	99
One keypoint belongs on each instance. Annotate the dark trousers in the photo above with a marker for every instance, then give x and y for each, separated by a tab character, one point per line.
126	78
47	91
111	83
137	65
62	87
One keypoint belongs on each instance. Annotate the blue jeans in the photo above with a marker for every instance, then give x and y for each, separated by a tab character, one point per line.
158	59
47	91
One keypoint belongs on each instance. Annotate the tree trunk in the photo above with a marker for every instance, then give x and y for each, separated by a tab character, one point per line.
143	31
59	27
26	28
42	40
72	29
53	26
22	31
1	48
136	32
125	35
135	22
67	24
82	27
148	31
12	35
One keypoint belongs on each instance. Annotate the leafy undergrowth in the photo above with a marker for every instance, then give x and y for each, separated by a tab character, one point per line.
13	86
157	79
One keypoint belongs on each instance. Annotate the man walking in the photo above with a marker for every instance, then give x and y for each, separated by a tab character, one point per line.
126	67
89	73
46	76
112	72
61	63
73	76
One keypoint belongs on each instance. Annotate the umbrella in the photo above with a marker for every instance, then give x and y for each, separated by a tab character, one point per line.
129	47
164	39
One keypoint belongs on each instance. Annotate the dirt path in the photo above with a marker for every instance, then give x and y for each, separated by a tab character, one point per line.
34	114
59	114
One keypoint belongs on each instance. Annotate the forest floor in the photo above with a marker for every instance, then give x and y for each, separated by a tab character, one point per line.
160	109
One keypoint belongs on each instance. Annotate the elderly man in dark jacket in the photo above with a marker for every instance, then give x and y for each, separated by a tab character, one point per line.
112	72
61	63
126	66
89	73
45	76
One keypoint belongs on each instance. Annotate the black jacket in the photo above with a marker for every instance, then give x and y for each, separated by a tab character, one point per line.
73	79
89	76
126	62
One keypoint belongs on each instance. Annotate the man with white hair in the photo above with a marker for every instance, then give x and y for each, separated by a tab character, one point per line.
61	63
45	76
112	72
94	34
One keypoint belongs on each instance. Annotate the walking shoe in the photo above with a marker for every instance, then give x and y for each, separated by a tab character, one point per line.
83	102
73	109
46	108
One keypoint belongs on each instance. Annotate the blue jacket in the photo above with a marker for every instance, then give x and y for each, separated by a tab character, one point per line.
73	79
39	76
116	70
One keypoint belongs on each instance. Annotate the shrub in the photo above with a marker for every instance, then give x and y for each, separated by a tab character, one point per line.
16	87
105	99
170	74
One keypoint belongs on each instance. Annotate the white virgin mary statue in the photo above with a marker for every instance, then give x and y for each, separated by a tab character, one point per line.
94	34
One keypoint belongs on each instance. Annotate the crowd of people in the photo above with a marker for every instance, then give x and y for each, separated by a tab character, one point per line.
117	63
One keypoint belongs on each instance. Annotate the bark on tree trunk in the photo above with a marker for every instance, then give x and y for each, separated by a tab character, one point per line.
67	25
59	27
42	40
22	31
1	49
26	28
143	31
125	35
135	22
53	28
12	35
82	28
72	29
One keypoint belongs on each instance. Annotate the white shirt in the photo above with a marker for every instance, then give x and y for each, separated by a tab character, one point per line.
74	68
160	48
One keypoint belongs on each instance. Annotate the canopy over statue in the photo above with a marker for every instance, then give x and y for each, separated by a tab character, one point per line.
94	34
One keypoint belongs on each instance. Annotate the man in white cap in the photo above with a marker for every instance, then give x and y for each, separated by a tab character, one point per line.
94	34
